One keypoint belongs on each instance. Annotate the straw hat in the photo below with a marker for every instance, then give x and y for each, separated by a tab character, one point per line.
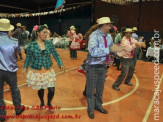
72	27
5	25
46	25
128	30
103	20
152	38
19	24
134	29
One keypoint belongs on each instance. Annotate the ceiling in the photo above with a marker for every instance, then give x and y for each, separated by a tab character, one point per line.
32	5
19	6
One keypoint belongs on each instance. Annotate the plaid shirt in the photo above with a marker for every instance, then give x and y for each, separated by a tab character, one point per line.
17	34
36	58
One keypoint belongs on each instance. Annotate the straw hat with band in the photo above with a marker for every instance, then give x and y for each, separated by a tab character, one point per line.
134	29
46	25
5	25
128	30
19	24
152	38
72	28
103	20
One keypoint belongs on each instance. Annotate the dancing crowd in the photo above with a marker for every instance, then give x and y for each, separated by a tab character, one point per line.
105	46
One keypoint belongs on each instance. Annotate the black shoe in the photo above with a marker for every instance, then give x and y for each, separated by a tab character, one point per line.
42	105
128	83
118	69
19	111
101	110
91	114
116	88
84	93
50	107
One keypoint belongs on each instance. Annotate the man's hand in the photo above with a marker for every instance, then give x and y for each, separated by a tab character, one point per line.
141	37
144	45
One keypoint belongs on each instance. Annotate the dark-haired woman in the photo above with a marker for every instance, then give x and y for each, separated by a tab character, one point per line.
41	75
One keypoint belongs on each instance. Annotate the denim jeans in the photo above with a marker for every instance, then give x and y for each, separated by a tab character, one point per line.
11	79
127	69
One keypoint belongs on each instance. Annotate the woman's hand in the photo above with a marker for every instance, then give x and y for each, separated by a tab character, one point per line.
24	71
63	68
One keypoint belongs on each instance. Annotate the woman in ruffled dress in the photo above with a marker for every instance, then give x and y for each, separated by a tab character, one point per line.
41	75
75	38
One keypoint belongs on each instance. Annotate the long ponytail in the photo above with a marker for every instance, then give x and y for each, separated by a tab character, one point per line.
93	28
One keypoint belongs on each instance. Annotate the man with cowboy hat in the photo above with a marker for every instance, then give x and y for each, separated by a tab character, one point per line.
127	63
18	35
96	65
8	68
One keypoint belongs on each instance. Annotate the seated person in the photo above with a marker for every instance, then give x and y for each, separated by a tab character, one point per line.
151	43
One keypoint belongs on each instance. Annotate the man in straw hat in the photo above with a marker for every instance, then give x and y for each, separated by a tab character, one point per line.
18	35
99	43
8	68
129	44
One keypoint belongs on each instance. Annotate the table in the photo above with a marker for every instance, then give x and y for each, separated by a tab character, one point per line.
150	53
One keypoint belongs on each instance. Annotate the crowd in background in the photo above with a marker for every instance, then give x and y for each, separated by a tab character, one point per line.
25	37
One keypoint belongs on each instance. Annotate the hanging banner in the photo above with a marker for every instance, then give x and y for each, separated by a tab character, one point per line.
9	15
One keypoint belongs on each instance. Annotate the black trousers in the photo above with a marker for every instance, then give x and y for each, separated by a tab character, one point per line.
11	79
118	63
71	55
74	53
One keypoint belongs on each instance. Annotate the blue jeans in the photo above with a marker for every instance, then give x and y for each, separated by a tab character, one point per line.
127	69
11	79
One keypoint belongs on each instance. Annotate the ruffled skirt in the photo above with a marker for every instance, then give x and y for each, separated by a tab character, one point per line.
75	45
41	79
